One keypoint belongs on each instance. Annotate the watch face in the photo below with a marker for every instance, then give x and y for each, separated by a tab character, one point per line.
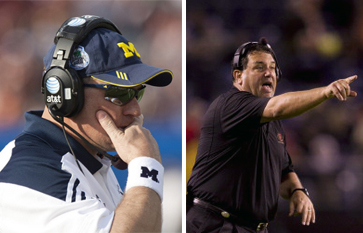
306	192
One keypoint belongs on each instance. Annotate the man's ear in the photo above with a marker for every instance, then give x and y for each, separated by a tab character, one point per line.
237	75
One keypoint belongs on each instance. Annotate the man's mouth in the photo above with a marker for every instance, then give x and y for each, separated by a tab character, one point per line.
267	86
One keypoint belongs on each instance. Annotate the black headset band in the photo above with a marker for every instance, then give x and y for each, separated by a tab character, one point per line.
62	53
240	52
79	33
68	36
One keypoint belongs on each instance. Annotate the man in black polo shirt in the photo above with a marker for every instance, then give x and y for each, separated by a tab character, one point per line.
242	165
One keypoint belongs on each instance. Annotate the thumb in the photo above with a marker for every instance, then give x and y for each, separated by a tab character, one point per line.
353	94
108	124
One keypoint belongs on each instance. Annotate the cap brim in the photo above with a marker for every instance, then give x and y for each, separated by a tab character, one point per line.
136	74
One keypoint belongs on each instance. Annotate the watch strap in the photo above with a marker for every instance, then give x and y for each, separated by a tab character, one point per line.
304	190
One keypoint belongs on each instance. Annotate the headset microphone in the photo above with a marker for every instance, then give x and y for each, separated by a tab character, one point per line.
117	162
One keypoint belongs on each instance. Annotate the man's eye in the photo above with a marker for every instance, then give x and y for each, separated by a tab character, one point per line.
114	100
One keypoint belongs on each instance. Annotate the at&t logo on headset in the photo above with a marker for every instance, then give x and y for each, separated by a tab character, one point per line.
53	88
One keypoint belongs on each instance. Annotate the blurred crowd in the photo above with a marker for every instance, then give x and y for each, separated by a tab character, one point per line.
27	30
316	42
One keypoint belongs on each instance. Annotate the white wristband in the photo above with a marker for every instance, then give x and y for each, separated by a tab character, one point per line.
148	172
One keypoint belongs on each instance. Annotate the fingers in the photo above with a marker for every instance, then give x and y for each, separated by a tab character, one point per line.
341	88
132	141
307	212
313	216
308	215
300	204
138	120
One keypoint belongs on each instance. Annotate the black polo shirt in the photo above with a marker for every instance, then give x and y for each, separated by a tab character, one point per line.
240	162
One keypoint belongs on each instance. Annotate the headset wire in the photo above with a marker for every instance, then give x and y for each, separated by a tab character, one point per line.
69	145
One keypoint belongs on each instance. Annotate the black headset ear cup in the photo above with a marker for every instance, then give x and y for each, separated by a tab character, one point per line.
63	92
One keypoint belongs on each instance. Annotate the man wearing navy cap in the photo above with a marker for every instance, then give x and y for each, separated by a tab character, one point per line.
56	175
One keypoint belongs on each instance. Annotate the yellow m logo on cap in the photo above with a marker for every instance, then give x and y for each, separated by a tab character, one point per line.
129	50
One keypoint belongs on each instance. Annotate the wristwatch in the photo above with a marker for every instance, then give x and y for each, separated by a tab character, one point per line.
302	189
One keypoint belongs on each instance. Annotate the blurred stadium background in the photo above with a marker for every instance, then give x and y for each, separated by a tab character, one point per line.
27	30
316	42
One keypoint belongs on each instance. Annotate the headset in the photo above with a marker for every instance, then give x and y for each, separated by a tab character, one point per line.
61	85
243	50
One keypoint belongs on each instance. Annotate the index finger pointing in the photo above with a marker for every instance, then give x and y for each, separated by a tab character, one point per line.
351	79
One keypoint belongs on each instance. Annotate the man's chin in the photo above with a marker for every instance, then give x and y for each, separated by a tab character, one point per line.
267	94
110	148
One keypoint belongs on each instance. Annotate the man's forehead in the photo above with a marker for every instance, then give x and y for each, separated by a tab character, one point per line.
260	57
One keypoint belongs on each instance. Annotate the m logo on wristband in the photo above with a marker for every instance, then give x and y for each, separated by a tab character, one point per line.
147	173
151	169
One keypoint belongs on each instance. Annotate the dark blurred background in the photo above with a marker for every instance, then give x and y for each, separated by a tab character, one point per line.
27	30
316	42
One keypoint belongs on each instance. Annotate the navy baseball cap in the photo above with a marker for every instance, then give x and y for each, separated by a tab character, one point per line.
109	57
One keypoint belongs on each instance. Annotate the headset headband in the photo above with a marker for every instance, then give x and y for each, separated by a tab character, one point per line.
239	53
72	32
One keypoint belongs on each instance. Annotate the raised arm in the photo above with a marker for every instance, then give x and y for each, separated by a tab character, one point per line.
292	104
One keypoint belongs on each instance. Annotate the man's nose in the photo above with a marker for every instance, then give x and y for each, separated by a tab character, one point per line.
132	108
270	72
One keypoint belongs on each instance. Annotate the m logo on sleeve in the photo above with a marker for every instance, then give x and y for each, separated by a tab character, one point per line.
146	173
